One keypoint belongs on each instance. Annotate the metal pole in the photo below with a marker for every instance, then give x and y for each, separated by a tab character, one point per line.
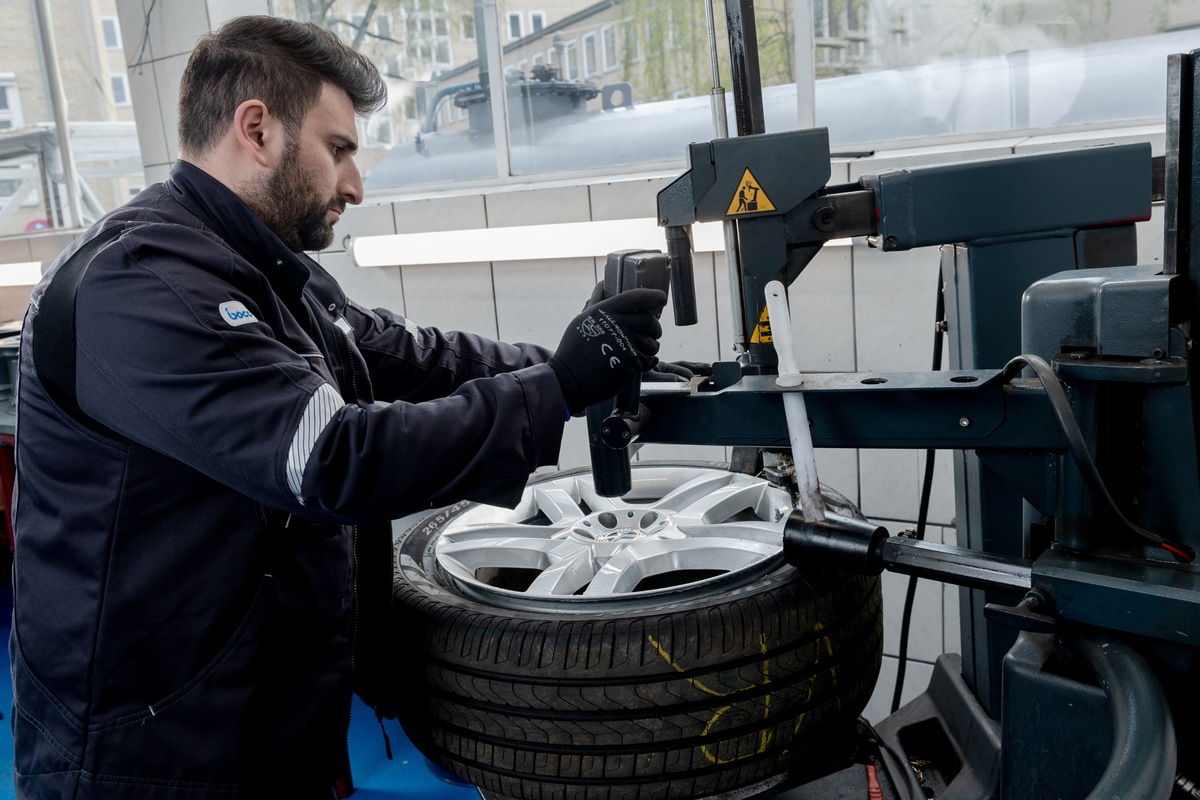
58	107
717	95
806	70
720	117
487	24
743	62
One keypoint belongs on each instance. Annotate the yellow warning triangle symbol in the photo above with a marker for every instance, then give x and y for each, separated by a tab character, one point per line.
762	331
749	197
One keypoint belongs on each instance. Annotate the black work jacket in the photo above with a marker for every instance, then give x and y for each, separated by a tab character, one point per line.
184	582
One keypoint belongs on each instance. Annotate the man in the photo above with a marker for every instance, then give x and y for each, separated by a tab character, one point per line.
202	458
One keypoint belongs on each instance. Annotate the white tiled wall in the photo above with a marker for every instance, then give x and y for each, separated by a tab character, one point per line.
855	309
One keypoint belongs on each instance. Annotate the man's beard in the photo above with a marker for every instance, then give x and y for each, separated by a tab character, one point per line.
288	207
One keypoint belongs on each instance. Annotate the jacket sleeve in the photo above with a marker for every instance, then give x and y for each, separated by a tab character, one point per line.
414	363
160	364
478	443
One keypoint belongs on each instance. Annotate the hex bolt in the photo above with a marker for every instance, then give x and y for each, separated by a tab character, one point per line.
964	422
824	218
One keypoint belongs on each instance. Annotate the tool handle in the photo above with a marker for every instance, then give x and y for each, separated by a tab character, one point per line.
683	278
623	270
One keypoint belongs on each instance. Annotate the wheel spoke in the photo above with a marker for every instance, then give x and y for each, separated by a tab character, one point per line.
521	553
694	491
595	501
726	501
624	571
497	531
567	576
556	503
750	531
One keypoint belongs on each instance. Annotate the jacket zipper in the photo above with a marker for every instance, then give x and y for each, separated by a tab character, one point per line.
353	624
343	350
348	359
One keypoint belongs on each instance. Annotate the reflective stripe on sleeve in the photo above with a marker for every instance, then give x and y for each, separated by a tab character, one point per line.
324	403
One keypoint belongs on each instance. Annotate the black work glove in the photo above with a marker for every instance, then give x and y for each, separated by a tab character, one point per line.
676	371
607	346
596	296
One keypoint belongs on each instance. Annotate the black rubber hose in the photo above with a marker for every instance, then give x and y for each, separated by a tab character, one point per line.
1144	757
923	512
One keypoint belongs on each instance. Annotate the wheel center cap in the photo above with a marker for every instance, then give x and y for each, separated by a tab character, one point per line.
620	525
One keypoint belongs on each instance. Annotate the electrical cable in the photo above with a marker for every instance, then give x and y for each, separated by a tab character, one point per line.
1060	404
900	772
145	42
923	511
874	790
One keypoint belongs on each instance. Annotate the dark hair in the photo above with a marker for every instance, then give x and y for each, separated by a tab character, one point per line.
279	61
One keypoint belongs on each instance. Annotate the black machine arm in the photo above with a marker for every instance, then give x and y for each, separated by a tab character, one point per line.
775	187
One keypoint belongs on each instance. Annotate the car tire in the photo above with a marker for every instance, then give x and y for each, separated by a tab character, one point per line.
688	691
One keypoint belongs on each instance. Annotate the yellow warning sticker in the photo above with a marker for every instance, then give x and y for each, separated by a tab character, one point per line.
762	331
749	197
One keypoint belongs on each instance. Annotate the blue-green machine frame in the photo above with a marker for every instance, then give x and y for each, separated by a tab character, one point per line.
1071	407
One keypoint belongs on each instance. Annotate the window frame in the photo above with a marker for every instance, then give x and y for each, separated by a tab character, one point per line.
105	22
589	55
12	95
120	79
608	33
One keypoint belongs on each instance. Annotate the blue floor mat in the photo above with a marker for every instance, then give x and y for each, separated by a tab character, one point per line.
405	777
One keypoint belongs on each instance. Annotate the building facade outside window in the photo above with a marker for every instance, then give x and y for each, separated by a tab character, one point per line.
102	134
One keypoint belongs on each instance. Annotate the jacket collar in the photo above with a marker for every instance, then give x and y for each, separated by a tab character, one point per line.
229	217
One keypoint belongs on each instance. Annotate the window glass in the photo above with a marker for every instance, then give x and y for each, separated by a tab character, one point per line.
120	89
608	37
919	68
35	195
591	63
884	69
112	33
562	62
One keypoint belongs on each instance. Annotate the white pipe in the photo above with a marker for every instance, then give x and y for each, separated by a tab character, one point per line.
803	455
806	69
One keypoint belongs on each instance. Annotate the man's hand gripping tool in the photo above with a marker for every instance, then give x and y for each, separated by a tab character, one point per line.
613	425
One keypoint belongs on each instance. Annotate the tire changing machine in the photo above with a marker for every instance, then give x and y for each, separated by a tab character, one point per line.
1071	405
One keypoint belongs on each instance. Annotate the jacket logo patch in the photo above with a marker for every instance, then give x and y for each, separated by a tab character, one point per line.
236	314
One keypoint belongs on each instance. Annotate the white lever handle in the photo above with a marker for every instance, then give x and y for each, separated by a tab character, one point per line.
812	505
